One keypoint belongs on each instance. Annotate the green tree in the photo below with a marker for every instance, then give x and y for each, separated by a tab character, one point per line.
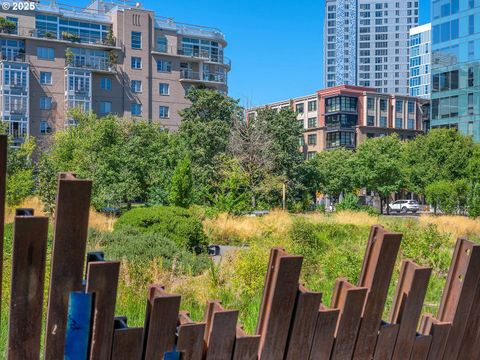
231	191
474	201
204	134
442	195
379	165
20	182
126	160
333	172
283	131
181	185
441	154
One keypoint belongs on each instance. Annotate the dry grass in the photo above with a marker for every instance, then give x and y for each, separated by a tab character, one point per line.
344	217
30	203
456	226
101	222
98	221
226	228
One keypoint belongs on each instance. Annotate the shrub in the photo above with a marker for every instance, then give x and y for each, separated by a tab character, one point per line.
174	223
349	202
140	248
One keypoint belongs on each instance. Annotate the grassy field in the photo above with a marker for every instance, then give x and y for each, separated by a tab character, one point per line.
332	246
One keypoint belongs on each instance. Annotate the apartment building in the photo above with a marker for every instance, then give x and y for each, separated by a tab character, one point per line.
420	61
346	115
456	66
366	43
107	57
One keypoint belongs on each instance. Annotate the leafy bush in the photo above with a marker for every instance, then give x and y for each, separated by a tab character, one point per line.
142	248
174	223
349	202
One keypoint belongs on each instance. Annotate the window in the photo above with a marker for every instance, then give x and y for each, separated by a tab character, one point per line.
136	62
411	107
341	103
45	53
370	103
312	105
299	108
340	139
164	66
164	89
162	44
45	127
312	122
410	124
341	121
311	155
105	107
312	139
300	124
136	86
301	141
164	112
398	123
136	40
136	109
383	105
383	121
370	120
45	103
45	78
399	106
105	83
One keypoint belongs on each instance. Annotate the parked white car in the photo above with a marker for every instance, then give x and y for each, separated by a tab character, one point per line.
404	206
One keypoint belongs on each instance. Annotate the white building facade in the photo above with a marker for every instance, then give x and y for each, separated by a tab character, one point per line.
367	43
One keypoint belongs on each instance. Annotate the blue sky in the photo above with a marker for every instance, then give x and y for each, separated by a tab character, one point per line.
275	46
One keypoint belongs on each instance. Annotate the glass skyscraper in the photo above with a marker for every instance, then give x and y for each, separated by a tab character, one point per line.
420	61
456	65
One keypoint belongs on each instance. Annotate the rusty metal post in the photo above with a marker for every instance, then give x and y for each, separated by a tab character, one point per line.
68	257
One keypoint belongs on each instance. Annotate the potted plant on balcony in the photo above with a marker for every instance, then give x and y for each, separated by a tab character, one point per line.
49	35
70	36
21	54
7	26
110	39
112	60
68	57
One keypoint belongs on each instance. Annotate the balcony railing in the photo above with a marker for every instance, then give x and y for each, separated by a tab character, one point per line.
57	35
100	64
12	56
18	110
189	29
189	75
203	55
186	74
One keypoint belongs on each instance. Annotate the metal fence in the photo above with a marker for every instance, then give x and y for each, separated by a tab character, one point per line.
293	322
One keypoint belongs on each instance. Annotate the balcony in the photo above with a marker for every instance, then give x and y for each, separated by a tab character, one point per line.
94	64
186	74
201	55
25	32
19	110
14	56
189	29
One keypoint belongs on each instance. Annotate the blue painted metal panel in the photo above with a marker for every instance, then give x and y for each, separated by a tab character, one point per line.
172	355
77	336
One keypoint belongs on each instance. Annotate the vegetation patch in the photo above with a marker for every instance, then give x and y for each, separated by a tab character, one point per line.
171	222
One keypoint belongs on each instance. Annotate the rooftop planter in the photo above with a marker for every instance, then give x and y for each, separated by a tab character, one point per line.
7	26
70	37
